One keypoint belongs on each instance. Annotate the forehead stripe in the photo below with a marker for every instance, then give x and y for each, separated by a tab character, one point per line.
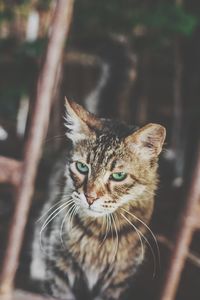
88	158
136	179
113	164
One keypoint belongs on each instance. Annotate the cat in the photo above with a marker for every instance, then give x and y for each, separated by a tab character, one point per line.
91	241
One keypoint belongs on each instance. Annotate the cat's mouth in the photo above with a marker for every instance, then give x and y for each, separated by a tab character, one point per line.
93	212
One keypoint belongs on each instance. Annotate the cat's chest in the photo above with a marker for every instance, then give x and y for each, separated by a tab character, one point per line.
96	265
94	257
92	275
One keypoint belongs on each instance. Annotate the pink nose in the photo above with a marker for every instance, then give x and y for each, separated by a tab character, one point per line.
90	199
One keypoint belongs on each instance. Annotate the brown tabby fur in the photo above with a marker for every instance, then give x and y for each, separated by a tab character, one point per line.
100	249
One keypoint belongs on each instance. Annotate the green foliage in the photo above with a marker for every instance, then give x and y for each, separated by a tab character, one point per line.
9	10
6	15
122	16
8	102
32	49
167	18
18	63
160	23
40	4
44	5
13	50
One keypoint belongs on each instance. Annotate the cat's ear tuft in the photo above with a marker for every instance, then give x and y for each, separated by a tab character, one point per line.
148	140
79	122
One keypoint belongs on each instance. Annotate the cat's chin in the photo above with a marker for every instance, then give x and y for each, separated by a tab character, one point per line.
94	213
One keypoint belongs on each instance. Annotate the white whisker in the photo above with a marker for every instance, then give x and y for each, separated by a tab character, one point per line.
146	240
106	233
49	220
152	234
38	220
117	237
63	222
111	229
46	222
138	233
73	212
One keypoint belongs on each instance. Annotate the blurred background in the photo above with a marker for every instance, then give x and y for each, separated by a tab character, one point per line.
133	60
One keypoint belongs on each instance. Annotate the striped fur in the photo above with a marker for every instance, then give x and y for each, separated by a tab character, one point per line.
93	231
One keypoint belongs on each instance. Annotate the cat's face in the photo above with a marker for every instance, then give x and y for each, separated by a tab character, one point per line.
110	164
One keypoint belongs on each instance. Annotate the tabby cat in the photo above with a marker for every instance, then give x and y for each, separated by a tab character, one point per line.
92	236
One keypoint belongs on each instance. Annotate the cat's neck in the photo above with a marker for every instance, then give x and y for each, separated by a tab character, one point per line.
121	220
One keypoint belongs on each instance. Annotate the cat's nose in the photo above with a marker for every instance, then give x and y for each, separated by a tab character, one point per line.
90	199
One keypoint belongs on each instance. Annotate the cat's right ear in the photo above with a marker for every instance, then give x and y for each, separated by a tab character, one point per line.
147	141
79	122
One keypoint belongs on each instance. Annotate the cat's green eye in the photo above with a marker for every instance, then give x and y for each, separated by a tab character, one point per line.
82	168
119	176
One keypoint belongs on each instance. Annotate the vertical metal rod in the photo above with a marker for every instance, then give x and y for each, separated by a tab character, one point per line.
33	148
177	141
188	223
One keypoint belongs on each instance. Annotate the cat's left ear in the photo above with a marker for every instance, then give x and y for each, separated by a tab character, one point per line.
79	122
148	140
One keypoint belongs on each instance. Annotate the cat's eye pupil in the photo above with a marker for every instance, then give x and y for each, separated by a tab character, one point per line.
82	168
119	176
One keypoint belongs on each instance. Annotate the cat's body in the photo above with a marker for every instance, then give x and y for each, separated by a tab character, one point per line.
92	237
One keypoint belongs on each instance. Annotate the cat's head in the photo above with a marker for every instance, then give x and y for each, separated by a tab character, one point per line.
112	164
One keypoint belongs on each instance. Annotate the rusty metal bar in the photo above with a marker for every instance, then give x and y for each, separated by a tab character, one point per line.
24	295
33	148
187	225
192	257
10	170
198	216
21	295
